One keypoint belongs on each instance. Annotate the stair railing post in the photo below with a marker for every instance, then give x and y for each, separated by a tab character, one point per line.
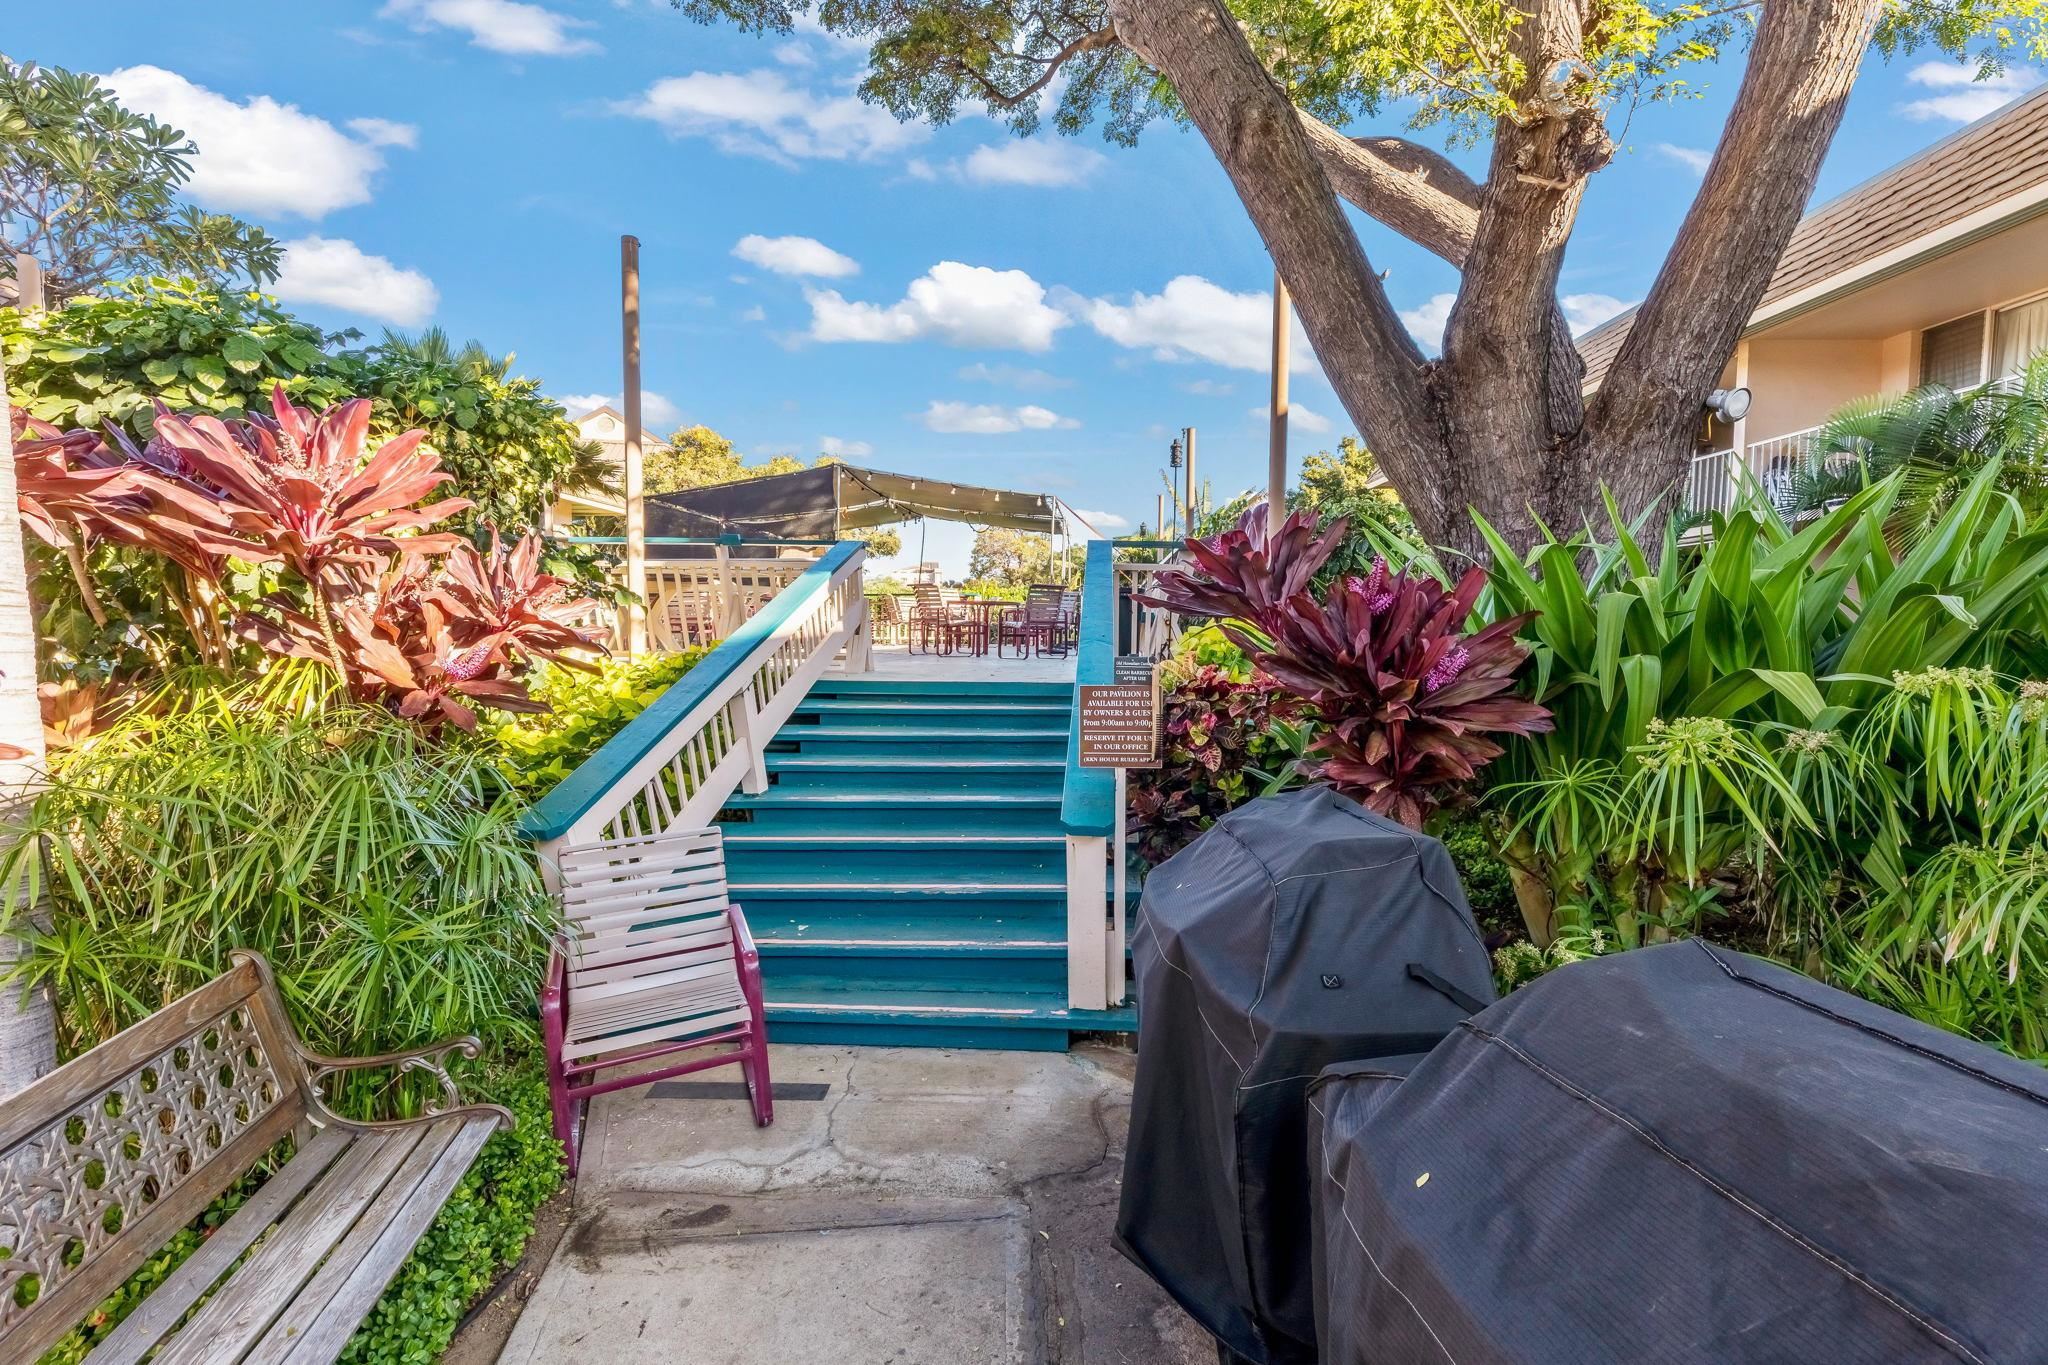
1087	941
747	727
860	654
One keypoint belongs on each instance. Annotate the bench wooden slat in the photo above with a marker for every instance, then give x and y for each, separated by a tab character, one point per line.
369	1273
260	1290
161	1311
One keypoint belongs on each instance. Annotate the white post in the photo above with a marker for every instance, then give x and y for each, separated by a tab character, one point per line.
1087	944
747	729
1739	438
729	617
1113	951
860	642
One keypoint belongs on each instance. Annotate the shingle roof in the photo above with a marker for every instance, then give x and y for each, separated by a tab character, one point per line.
1998	156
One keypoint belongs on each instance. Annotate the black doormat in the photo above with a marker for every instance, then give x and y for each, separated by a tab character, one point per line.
735	1090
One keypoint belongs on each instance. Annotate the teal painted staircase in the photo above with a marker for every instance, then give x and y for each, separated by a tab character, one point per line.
905	872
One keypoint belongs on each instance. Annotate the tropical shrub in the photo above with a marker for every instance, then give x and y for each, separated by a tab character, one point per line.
1709	663
506	446
417	620
584	710
479	1233
1405	696
380	872
1937	440
193	347
1224	742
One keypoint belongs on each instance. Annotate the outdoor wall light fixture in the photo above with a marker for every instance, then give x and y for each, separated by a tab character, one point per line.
1730	405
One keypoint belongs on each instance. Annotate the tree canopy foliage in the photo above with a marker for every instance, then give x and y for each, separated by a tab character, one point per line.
198	348
1497	422
89	189
698	457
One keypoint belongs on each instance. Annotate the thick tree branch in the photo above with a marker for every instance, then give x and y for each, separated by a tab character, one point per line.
1413	190
1801	65
1251	126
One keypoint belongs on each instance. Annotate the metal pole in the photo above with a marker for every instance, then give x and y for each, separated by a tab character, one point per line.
635	486
1189	434
1276	447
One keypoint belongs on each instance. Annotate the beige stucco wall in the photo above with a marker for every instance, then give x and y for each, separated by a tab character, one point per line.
1799	384
1899	362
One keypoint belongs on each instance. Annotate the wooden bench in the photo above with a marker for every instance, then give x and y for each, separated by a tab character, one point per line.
106	1158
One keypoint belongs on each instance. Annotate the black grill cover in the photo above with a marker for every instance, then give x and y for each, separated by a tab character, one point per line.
1300	930
1685	1155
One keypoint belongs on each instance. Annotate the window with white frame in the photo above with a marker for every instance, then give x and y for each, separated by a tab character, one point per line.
2018	334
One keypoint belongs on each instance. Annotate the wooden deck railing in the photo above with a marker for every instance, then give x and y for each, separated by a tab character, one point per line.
676	763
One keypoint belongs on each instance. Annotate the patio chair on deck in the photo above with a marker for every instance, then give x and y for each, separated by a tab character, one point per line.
1041	624
938	626
654	961
885	617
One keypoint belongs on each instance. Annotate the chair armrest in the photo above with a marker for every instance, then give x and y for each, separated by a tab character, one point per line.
431	1059
742	937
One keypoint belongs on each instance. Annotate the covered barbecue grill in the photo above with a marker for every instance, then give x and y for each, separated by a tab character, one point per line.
1691	1156
1301	930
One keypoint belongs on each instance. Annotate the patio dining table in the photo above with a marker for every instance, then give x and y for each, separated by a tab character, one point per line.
986	610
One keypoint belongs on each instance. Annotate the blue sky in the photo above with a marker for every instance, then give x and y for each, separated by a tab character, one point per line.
1037	314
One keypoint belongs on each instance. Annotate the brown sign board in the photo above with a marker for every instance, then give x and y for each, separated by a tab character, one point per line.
1119	725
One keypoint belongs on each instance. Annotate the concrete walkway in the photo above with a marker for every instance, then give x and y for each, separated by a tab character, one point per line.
909	1206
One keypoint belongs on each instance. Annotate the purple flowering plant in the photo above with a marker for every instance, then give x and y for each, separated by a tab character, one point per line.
1409	700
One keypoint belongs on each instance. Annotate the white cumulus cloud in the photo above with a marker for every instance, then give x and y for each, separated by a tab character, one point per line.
1426	324
1193	319
340	274
1103	521
508	26
991	419
1586	311
1694	159
383	132
843	449
1040	163
759	113
656	410
1582	312
961	305
1963	98
1297	417
794	256
260	156
1012	376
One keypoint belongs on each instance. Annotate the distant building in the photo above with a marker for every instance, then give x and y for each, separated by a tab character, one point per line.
607	427
1935	271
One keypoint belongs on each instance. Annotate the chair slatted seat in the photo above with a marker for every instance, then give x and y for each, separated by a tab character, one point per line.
655	960
107	1158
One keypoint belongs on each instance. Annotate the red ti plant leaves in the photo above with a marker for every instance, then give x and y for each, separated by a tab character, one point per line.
1408	699
410	618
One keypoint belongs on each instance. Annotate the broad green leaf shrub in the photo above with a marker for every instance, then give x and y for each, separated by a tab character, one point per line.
381	872
1481	873
481	1232
585	710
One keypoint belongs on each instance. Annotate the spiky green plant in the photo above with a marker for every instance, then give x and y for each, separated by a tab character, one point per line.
379	871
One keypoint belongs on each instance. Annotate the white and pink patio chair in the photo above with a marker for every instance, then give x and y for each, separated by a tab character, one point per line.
654	961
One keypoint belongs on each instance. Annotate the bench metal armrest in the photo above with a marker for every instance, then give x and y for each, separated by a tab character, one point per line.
431	1059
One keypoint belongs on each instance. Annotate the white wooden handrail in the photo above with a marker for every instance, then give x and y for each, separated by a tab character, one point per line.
676	763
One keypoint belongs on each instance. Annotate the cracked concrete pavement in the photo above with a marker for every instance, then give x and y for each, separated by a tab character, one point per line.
935	1208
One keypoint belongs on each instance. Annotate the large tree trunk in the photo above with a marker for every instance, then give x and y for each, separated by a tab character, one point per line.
1497	425
28	1040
